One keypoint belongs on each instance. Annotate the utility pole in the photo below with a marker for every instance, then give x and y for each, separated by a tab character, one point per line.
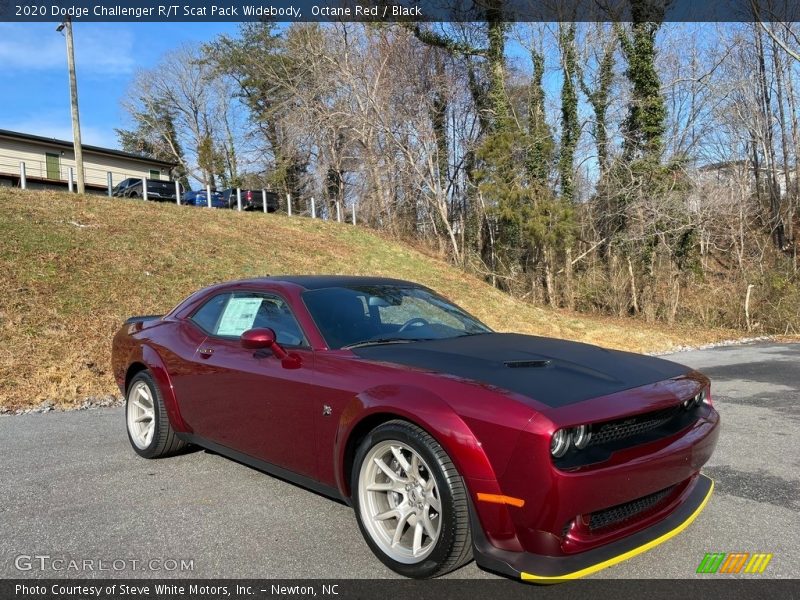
66	26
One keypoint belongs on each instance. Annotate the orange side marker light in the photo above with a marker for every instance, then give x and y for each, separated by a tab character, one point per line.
501	499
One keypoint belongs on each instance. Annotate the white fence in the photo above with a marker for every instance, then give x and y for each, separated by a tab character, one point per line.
38	169
97	177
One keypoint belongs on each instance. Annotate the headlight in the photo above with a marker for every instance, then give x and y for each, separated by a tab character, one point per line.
560	443
697	400
581	436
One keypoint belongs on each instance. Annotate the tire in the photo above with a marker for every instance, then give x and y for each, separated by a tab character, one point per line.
153	437
438	509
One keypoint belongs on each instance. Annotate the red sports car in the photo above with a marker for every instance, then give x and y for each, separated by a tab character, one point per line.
541	458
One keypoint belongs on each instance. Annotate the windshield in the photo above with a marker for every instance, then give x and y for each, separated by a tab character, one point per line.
348	316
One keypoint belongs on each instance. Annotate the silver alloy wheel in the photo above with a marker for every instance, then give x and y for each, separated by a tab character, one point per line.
141	415
399	502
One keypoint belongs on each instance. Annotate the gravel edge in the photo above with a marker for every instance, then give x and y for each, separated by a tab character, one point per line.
48	406
721	344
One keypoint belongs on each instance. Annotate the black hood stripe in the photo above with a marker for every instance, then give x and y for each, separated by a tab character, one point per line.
565	372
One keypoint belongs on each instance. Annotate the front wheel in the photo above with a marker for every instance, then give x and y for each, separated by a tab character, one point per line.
410	502
149	430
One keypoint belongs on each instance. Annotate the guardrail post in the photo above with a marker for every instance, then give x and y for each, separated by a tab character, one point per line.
239	199
289	204
338	212
23	178
264	200
110	182
313	208
354	213
144	188
71	176
208	195
178	193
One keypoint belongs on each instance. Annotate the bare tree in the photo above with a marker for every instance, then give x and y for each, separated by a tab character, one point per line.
201	107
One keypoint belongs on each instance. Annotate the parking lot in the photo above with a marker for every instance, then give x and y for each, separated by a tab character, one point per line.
73	489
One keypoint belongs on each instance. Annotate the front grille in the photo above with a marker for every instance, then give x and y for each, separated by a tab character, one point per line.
623	512
620	429
611	436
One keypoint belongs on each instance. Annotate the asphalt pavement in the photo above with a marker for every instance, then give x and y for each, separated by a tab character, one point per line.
71	489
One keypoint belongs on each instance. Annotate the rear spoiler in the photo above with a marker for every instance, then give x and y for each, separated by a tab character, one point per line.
142	319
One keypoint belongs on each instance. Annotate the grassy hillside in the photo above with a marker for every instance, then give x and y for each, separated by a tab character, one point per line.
73	267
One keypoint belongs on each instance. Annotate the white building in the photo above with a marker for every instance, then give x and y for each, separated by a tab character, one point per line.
47	163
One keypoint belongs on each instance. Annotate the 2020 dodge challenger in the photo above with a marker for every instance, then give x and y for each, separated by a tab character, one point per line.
541	458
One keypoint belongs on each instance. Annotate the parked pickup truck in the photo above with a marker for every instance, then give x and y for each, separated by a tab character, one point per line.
157	189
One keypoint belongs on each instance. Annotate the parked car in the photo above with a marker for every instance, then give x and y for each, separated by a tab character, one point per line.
251	200
544	459
200	198
156	189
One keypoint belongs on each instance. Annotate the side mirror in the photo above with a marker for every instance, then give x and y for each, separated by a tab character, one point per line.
263	338
258	338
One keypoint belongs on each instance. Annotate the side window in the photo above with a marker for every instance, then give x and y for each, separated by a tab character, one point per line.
230	315
274	313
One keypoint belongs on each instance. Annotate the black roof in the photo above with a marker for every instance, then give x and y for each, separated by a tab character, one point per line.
317	282
94	149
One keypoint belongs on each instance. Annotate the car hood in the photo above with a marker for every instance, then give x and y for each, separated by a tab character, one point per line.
551	371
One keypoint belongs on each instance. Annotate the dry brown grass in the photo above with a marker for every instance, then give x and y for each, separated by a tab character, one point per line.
73	267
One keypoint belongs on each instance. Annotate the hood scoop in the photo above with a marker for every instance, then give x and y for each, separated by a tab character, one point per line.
526	364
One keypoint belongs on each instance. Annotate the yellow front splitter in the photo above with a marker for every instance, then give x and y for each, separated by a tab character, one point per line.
631	552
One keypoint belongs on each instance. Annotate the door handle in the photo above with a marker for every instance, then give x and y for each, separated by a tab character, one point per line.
205	352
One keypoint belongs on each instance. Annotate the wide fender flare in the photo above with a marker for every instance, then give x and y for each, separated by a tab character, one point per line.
426	410
155	364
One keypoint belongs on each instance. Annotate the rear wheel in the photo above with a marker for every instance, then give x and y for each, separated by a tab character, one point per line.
149	430
410	502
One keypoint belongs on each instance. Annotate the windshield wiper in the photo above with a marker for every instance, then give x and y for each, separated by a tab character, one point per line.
387	340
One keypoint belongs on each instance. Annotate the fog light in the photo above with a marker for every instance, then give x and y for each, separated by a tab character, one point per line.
581	436
560	443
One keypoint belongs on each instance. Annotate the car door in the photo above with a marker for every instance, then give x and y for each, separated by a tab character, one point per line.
134	188
250	401
119	190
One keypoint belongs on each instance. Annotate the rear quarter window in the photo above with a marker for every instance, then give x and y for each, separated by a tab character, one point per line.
208	315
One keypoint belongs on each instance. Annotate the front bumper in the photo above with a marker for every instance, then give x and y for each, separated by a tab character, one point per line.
552	569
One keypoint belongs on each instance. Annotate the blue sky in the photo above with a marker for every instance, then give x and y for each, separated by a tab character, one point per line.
35	96
36	85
